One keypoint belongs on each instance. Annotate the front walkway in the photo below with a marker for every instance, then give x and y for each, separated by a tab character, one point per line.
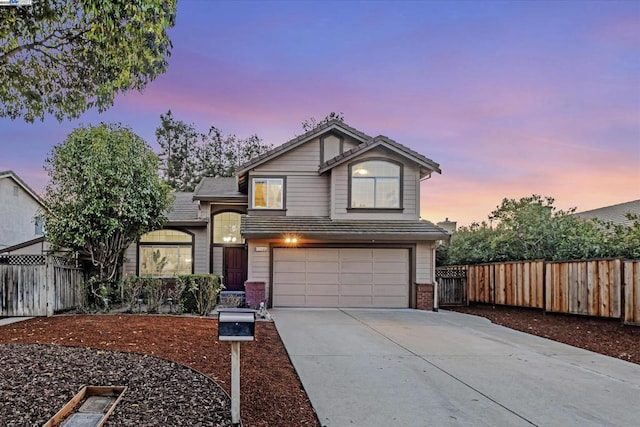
415	368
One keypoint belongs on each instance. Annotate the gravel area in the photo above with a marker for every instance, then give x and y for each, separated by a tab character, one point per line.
38	380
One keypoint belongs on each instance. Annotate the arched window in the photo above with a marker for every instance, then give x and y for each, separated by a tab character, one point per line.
376	184
226	228
165	253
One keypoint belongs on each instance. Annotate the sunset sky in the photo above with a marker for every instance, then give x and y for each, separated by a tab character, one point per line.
511	98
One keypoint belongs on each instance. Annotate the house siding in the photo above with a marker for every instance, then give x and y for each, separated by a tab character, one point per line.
307	193
305	158
259	263
424	262
340	191
217	255
17	214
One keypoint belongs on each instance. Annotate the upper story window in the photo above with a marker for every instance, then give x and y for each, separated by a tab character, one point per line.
268	193
39	225
226	228
376	184
165	253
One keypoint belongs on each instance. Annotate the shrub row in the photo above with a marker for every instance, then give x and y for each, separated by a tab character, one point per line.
192	293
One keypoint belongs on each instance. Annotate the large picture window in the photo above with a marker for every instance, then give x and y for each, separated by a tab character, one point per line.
226	228
375	184
268	193
165	253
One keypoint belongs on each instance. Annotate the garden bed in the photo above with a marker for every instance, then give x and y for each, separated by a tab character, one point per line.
37	380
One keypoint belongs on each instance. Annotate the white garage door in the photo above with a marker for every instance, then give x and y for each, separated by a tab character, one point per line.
340	277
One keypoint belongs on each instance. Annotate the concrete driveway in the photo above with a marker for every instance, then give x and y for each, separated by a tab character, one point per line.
363	367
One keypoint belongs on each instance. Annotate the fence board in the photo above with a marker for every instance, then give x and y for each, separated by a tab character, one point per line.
37	290
632	292
515	283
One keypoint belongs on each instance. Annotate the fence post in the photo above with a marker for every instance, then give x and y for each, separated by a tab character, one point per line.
50	288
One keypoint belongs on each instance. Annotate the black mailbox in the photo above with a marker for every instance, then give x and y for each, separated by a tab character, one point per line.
236	324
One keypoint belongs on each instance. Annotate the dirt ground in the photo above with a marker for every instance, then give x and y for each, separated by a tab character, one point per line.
271	392
605	336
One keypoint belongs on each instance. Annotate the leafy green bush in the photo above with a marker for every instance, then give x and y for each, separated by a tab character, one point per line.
200	292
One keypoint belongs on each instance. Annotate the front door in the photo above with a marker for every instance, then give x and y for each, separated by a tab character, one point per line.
235	268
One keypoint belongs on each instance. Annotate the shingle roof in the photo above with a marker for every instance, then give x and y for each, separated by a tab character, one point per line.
184	211
324	227
381	140
332	124
613	213
218	187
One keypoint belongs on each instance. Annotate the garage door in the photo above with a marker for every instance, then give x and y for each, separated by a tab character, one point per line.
340	277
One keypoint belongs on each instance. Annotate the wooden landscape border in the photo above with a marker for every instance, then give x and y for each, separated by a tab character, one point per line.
85	392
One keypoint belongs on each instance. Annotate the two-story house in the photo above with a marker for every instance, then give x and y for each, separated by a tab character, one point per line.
19	211
328	219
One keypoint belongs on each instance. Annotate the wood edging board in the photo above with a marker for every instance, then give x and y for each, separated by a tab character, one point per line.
85	392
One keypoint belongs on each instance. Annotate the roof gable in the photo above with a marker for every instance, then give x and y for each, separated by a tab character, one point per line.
336	126
427	165
23	185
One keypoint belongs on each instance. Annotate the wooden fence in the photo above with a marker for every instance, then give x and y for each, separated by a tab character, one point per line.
604	287
38	285
592	287
513	283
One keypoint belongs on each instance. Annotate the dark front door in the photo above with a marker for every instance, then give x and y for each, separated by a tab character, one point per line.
235	268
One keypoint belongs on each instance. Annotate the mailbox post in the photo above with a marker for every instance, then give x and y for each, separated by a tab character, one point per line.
236	325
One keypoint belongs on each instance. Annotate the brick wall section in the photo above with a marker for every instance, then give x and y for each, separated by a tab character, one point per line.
254	294
424	297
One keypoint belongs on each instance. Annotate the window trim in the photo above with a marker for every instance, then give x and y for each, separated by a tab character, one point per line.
156	244
268	177
400	207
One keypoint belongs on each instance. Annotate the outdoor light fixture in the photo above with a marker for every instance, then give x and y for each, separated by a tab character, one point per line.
291	240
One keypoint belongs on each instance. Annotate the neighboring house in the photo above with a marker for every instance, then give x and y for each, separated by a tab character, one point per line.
19	211
328	219
37	246
614	213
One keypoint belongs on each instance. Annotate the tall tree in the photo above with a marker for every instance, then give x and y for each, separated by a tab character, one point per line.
104	193
188	155
178	143
63	57
312	122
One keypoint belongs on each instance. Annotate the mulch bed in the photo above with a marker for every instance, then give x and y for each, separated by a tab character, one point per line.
271	392
601	335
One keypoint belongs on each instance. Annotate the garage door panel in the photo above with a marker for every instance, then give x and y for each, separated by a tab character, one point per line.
388	290
357	267
356	301
291	301
323	267
290	278
323	254
322	289
323	278
322	301
390	267
390	279
362	290
290	266
390	302
289	254
356	255
341	277
356	278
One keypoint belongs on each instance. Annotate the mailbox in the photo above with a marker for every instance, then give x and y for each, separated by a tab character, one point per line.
236	324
